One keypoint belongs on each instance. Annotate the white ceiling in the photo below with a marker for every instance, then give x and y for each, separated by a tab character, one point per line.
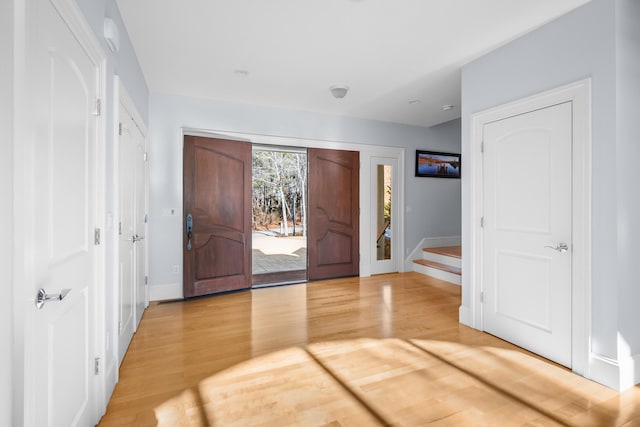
389	52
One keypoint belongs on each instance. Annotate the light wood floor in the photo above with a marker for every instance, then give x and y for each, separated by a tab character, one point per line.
386	350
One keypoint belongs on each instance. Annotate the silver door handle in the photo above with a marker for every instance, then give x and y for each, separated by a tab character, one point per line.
42	297
137	238
560	247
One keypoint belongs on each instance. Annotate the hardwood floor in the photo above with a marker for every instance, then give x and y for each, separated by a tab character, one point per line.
385	350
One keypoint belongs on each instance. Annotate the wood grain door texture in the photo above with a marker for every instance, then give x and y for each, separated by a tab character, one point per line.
334	213
217	199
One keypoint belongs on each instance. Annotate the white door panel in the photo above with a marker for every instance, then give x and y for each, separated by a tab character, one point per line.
140	210
126	322
527	212
62	187
132	175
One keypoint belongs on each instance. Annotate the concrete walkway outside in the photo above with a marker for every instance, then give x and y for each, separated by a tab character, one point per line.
271	253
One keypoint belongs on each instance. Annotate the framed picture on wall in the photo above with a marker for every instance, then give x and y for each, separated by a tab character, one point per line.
436	164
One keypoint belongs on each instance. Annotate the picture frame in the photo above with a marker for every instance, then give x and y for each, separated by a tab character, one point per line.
437	164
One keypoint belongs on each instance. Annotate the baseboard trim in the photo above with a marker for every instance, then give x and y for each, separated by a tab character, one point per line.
165	292
429	242
604	370
111	379
464	316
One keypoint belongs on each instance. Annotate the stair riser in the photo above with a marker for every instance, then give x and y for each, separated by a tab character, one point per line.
442	259
438	274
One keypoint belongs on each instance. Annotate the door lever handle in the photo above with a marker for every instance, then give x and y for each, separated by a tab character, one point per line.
42	297
560	247
189	230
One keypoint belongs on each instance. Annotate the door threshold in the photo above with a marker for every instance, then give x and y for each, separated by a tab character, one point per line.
270	285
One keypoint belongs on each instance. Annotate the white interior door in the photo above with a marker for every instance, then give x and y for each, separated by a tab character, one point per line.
384	215
61	194
139	223
527	222
126	231
132	286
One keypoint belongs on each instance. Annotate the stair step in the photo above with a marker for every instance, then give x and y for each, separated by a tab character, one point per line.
450	251
439	266
448	255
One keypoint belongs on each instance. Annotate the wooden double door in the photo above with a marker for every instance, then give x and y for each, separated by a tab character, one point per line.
217	215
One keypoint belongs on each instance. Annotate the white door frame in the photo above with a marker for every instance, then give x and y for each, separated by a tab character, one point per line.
366	153
579	94
24	279
391	265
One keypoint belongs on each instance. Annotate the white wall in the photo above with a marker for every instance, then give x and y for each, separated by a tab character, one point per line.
628	176
580	44
168	114
6	213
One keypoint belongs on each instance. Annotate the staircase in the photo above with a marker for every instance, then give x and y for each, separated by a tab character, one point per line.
444	263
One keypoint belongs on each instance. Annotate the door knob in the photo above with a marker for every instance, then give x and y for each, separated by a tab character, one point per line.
42	297
560	247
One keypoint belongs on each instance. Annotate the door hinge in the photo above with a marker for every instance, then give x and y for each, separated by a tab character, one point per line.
98	111
96	366
120	228
119	328
120	128
482	146
146	280
481	296
146	156
97	237
481	222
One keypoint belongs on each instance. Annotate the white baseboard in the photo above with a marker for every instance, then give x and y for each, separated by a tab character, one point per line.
111	378
619	375
165	292
429	242
604	370
465	317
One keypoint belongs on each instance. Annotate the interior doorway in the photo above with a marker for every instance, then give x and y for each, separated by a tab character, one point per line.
279	215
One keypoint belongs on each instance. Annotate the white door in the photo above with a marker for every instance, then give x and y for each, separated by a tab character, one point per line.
140	220
126	231
527	222
132	286
384	215
60	195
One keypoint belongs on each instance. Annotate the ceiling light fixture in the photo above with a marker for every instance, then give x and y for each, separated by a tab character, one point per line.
339	91
447	107
414	101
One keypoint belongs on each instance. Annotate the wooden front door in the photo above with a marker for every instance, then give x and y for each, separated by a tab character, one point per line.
334	193
217	215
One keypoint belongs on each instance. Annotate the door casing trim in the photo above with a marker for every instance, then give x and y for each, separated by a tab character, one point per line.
579	94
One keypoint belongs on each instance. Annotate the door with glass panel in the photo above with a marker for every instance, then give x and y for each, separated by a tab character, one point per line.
384	215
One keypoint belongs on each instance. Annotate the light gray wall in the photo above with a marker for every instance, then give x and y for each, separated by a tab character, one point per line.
6	213
124	63
168	114
628	171
578	45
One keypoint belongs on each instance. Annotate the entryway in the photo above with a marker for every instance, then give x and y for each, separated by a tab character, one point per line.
217	214
279	216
